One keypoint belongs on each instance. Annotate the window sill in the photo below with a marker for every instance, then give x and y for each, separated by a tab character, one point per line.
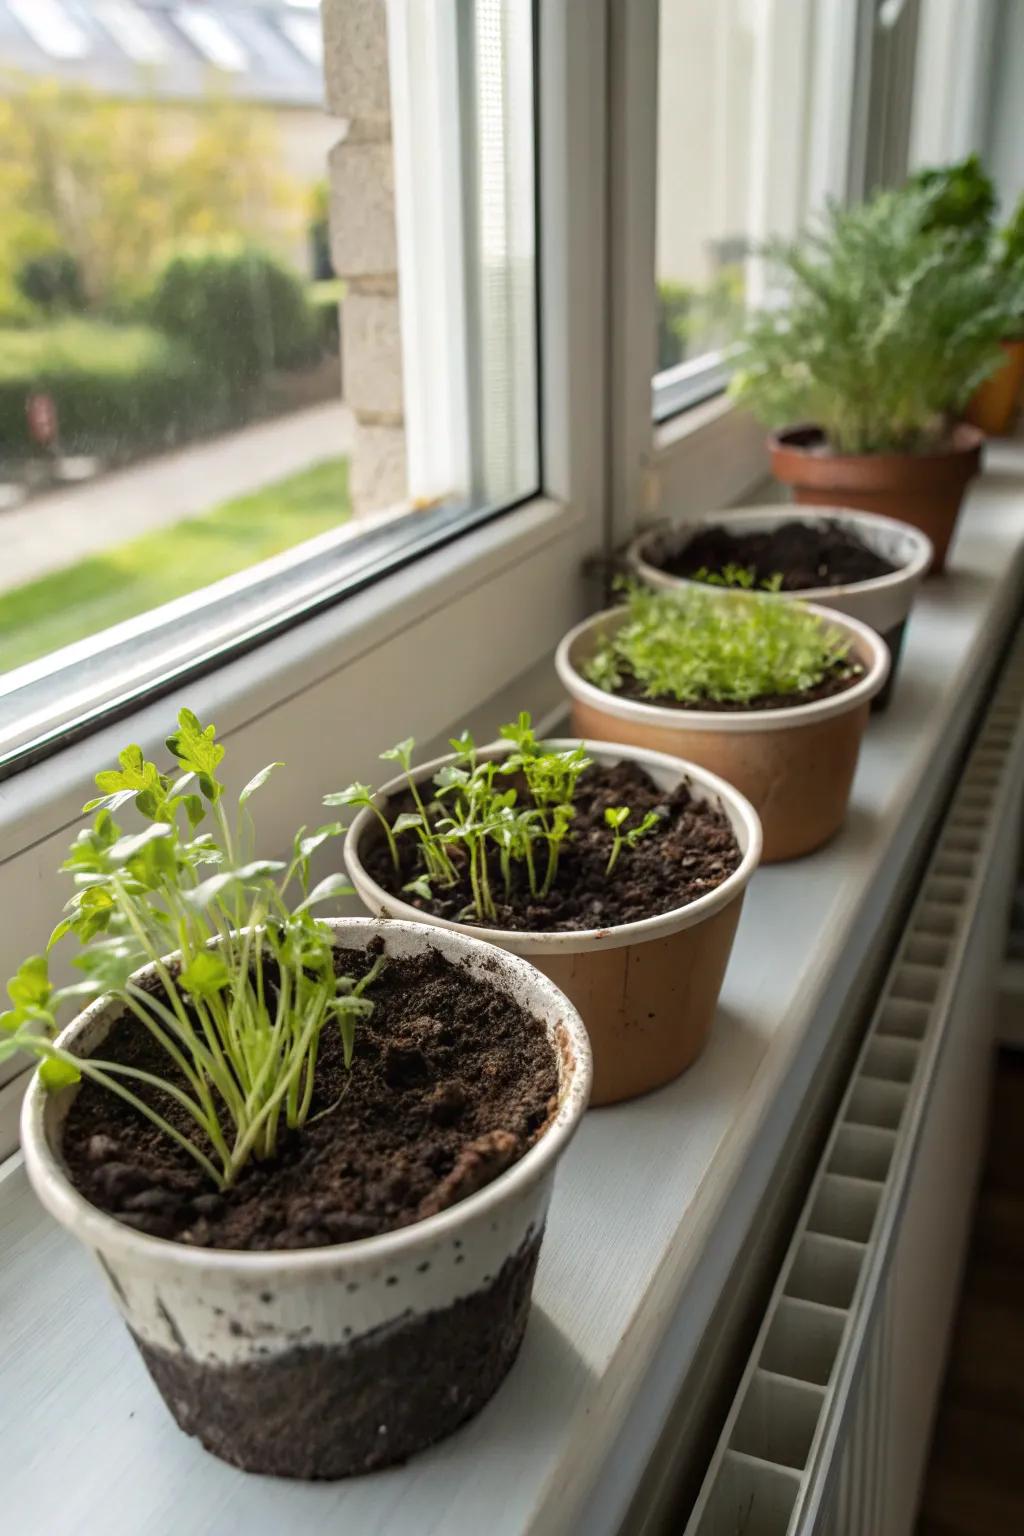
639	1246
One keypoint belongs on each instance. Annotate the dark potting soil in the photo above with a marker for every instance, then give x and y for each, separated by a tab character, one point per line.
688	854
804	554
451	1082
842	676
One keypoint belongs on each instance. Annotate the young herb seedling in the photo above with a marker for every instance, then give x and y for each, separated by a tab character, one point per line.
247	979
741	577
720	647
479	828
616	817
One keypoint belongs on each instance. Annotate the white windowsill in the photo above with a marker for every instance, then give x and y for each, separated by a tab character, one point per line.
651	1206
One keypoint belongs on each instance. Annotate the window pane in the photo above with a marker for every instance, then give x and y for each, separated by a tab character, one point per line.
182	266
733	94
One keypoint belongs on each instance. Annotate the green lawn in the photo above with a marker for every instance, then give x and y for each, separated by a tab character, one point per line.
118	583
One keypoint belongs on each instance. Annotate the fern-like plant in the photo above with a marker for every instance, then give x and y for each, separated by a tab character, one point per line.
889	325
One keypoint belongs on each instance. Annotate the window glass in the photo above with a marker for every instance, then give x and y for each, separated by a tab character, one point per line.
183	466
733	87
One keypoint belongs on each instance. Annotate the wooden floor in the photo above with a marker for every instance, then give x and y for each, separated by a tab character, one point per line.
975	1481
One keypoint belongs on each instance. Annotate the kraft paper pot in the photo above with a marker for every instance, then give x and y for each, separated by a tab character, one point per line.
646	991
795	765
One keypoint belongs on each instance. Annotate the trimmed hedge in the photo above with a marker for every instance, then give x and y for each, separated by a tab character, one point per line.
241	311
116	388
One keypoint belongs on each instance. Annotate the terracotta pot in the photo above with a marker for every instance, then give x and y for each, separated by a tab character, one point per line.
884	602
326	1361
794	765
993	406
646	991
922	489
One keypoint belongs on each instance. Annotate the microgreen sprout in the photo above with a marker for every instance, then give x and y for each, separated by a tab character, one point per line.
741	577
247	979
692	646
616	817
488	818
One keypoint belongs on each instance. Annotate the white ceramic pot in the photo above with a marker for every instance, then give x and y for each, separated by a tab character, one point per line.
647	990
795	765
325	1361
884	602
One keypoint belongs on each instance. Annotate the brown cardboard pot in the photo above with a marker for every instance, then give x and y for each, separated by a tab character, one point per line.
795	765
993	405
923	489
646	991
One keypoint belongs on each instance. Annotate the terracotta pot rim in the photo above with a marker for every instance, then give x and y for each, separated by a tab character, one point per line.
744	819
870	646
965	441
104	1233
757	517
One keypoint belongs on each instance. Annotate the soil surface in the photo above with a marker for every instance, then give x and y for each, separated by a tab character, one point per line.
842	676
804	554
451	1082
688	854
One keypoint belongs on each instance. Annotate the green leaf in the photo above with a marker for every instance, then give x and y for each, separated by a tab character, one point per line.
127	847
406	822
56	1073
30	987
333	885
64	926
196	750
206	974
306	846
257	781
400	753
355	794
615	815
420	887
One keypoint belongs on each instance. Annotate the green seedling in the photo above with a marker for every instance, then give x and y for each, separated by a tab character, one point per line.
616	817
698	646
246	972
480	827
741	577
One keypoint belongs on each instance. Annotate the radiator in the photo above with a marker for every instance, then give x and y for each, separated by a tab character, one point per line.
829	1431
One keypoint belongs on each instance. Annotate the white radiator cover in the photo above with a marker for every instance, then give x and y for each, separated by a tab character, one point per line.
829	1432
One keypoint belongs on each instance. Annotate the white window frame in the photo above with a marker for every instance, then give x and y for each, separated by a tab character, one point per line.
425	648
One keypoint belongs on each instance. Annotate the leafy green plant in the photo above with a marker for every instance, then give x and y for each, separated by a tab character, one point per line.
725	649
887	329
479	826
960	197
247	980
741	577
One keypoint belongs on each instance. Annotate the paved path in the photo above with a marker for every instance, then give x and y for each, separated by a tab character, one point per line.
59	527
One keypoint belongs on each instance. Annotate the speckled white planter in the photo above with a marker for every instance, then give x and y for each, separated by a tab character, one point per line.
332	1360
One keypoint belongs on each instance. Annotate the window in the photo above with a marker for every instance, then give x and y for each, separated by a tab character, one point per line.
132	30
51	28
304	32
214	40
734	96
181	475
